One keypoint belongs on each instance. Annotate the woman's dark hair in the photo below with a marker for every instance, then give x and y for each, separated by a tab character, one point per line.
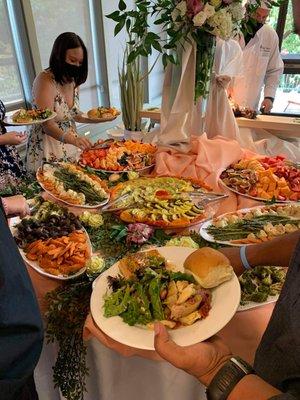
64	42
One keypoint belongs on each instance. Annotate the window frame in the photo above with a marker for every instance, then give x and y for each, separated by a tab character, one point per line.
26	49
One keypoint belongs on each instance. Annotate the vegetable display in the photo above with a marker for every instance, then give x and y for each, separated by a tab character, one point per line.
259	283
71	184
255	225
49	221
149	290
161	201
23	115
64	255
117	156
265	178
54	239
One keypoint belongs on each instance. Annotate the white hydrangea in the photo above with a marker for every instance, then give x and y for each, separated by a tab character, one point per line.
215	3
209	10
199	18
222	25
237	11
202	16
179	10
182	7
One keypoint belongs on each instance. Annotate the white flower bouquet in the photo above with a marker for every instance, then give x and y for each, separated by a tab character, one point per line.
180	21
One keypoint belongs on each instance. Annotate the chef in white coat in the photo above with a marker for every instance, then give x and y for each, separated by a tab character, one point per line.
262	65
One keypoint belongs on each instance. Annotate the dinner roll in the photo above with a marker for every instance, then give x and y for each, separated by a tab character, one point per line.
93	113
211	268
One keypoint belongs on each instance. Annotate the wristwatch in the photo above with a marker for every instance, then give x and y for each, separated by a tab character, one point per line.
227	377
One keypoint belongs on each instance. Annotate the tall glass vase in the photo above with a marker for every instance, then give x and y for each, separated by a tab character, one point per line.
206	46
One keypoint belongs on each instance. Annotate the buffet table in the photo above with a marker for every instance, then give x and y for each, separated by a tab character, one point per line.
280	126
119	372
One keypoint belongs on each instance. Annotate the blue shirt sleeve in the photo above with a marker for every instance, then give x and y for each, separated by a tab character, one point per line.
21	330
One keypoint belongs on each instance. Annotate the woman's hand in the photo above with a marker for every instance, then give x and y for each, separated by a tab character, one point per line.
82	142
201	360
13	138
15	205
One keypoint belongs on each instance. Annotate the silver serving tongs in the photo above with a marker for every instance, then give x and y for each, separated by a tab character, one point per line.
104	145
113	205
207	197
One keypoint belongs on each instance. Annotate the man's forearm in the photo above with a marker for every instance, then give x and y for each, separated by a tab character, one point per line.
277	251
253	387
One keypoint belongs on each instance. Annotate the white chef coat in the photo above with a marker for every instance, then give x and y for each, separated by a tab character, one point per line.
262	66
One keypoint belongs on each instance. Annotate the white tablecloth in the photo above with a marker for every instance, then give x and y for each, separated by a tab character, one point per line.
114	377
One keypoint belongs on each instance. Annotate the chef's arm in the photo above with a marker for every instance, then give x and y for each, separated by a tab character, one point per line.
274	71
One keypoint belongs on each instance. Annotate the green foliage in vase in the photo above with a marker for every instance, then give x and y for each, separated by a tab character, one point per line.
132	91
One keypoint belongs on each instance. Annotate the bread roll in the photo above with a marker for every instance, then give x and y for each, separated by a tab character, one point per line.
93	113
210	267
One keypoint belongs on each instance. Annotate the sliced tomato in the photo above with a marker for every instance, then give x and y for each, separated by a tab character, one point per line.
162	194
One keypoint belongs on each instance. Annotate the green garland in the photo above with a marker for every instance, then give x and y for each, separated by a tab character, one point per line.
68	307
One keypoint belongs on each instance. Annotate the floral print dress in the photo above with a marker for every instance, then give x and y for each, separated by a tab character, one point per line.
42	147
11	167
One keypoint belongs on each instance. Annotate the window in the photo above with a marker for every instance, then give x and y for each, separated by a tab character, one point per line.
287	99
290	40
114	47
10	83
53	17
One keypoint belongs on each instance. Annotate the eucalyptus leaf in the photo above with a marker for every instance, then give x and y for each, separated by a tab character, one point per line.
122	5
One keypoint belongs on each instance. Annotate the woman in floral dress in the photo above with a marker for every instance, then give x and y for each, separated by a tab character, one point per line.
11	167
56	88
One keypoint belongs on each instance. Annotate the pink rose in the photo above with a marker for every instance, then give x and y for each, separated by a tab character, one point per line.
227	1
194	7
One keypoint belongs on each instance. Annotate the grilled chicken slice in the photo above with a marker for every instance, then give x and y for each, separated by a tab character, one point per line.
181	310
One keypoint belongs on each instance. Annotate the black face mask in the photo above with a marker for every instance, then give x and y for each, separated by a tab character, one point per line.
71	70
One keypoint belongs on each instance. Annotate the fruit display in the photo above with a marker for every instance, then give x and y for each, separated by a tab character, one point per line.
266	178
160	201
111	155
255	225
72	184
26	116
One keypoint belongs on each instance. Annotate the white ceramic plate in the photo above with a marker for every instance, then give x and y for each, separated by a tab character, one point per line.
35	264
99	120
251	304
9	120
225	301
203	230
86	206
